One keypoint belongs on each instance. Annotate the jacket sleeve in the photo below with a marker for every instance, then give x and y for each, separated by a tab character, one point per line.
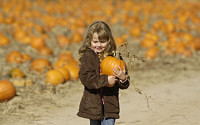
88	74
124	85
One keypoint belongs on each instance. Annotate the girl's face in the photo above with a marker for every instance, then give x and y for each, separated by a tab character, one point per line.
98	45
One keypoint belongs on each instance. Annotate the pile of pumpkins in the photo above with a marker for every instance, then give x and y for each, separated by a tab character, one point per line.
65	68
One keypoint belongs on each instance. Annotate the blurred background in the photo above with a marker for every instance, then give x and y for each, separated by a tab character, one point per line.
39	42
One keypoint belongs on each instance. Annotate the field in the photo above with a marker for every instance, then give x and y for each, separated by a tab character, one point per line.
163	89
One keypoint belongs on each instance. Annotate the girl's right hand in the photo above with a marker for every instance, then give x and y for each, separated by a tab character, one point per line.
111	81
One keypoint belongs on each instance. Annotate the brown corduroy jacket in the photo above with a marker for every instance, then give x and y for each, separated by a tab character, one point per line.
91	106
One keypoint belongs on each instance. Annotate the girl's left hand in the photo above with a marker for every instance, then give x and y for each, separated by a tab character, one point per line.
121	74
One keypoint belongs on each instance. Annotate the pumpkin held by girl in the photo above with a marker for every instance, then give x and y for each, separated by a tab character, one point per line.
109	63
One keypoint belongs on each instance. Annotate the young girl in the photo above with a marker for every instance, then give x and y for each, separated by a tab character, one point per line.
99	103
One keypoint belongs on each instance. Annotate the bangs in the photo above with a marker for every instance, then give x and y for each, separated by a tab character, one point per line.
103	35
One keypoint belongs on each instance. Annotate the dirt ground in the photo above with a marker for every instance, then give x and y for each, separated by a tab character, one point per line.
164	91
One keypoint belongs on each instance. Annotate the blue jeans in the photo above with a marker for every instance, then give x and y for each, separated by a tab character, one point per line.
109	121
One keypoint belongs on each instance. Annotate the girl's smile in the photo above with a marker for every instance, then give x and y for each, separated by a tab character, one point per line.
98	45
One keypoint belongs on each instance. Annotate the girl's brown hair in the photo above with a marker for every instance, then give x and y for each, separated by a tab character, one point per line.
104	33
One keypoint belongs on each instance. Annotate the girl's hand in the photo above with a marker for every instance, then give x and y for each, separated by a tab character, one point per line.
121	74
111	81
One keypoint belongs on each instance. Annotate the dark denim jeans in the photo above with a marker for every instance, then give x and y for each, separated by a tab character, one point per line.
109	121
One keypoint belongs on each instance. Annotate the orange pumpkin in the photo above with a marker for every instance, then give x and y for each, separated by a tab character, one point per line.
68	58
54	77
152	36
65	73
108	63
173	37
180	47
73	70
46	51
148	43
19	34
37	42
7	90
63	41
26	39
39	28
59	63
152	53
40	65
158	25
16	73
169	27
76	37
119	41
4	40
67	55
136	31
195	44
14	57
187	37
9	20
